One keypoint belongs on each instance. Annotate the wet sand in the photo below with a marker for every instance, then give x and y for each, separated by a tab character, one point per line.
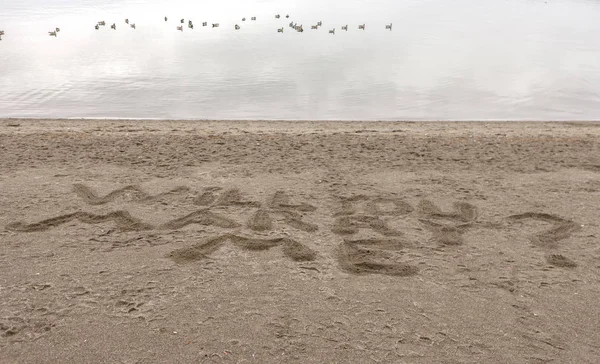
299	242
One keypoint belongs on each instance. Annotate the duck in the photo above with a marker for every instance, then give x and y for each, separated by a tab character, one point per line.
132	25
102	23
253	18
114	26
52	34
389	26
277	16
345	27
361	27
204	23
180	28
314	27
97	26
215	25
126	21
237	27
332	31
280	30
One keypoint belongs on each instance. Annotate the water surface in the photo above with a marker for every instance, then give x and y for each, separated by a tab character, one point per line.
443	60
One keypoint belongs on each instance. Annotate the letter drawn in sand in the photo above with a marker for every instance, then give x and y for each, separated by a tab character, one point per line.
448	228
377	255
261	220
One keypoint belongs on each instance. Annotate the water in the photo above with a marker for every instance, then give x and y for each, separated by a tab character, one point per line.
443	60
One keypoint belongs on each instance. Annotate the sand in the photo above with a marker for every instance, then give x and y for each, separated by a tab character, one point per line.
299	242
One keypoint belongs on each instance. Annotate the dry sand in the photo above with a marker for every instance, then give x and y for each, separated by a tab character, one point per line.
299	242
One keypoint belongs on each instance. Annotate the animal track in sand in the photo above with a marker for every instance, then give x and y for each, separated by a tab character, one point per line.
132	192
373	256
123	220
291	248
548	238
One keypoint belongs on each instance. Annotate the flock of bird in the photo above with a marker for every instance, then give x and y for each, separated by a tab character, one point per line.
190	25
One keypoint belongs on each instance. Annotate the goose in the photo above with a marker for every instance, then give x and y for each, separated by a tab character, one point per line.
280	30
180	28
132	25
204	23
215	25
277	16
243	19
389	26
166	18
103	23
314	27
97	27
253	18
332	31
319	23
52	34
345	27
114	26
361	27
126	21
237	27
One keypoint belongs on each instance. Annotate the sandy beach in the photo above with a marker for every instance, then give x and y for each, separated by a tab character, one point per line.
299	242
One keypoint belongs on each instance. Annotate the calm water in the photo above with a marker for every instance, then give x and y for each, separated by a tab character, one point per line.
444	59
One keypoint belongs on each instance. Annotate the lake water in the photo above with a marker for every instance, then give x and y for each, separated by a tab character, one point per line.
443	60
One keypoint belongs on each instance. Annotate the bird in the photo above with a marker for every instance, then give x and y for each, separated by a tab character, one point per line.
215	25
237	27
280	30
0	37
345	27
97	27
204	23
114	26
166	18
191	26
132	25
332	31
287	16
189	22
277	16
314	27
126	21
243	19
361	27
182	21
103	23
52	34
253	18
319	23
57	30
389	26
1	32
299	29
291	24
180	28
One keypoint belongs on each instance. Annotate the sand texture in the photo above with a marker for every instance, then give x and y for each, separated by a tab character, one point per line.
299	242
